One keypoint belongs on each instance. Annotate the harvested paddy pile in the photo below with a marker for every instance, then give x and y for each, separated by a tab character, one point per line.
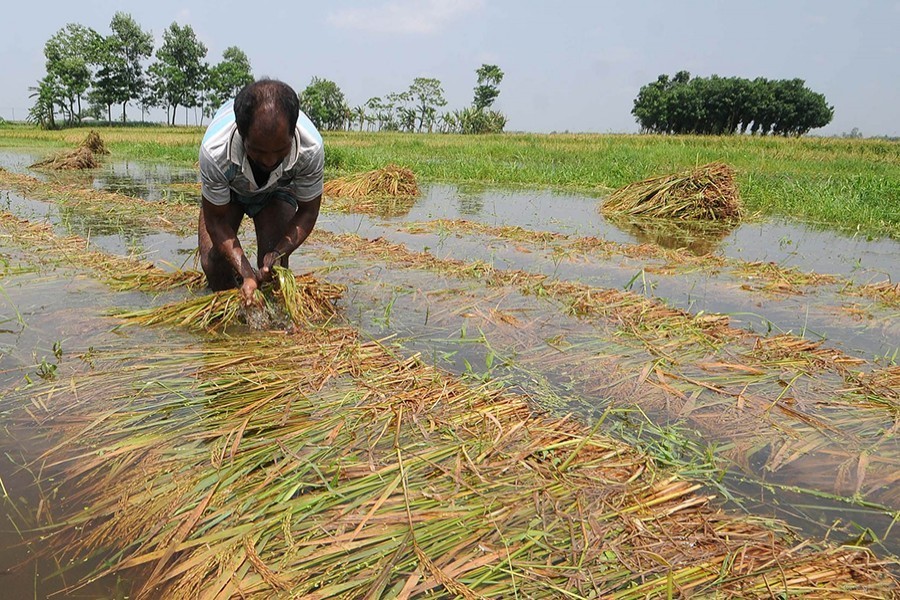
82	157
94	143
79	158
706	193
319	465
389	191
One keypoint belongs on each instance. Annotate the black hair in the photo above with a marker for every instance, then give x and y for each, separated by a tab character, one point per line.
265	93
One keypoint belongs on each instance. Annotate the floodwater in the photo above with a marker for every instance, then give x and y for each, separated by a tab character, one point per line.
480	333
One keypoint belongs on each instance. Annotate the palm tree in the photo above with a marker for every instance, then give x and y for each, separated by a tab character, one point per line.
360	113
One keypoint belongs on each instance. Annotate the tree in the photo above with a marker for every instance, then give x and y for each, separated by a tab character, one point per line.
487	90
428	96
70	52
227	78
126	47
108	88
42	113
178	76
359	112
722	106
323	102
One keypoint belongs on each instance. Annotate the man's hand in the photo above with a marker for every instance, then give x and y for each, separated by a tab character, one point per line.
266	271
248	290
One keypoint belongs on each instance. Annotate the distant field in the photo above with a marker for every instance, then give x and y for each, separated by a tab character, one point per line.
853	185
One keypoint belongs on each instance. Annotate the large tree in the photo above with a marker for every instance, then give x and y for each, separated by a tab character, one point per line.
324	104
428	96
178	76
70	52
722	106
487	89
227	78
128	46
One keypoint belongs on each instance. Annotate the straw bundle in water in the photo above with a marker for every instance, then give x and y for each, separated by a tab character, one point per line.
390	181
295	300
319	466
79	158
94	143
705	193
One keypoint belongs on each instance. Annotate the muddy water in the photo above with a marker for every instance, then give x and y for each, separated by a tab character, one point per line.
459	325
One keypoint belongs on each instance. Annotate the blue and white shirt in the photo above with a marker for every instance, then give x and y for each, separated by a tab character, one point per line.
224	166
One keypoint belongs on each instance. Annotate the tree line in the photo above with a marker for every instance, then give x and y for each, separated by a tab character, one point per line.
414	109
727	105
89	73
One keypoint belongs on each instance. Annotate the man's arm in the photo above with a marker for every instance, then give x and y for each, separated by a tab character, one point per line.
223	237
299	228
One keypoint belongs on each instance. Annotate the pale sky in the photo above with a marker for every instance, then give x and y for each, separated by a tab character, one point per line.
569	65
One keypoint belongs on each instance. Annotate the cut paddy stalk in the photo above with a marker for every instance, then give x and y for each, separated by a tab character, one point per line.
795	421
389	191
772	277
122	272
676	337
293	300
705	193
81	157
181	220
317	463
125	211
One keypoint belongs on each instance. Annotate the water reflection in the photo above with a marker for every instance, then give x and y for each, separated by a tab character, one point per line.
698	238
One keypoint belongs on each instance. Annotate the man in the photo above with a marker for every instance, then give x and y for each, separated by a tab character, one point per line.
263	158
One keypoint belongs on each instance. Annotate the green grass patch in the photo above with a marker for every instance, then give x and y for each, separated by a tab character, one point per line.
853	185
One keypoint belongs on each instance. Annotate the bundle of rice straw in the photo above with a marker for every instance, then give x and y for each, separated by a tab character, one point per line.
705	193
79	158
293	301
94	143
389	181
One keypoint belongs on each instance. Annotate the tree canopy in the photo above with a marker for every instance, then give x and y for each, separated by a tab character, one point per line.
122	68
726	105
323	102
178	76
227	78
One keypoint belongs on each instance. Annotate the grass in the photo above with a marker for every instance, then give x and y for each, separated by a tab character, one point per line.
852	185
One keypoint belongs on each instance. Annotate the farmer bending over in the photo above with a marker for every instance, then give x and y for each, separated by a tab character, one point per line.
263	158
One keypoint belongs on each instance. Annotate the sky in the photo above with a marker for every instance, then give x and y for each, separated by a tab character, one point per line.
569	65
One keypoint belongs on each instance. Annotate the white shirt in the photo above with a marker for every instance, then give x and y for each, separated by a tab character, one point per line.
224	166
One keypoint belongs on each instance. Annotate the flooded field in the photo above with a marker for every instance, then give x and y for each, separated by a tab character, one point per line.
760	362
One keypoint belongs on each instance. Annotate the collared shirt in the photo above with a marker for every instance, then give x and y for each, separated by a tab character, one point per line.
224	166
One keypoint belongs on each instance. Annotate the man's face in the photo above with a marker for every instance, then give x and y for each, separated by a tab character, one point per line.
268	142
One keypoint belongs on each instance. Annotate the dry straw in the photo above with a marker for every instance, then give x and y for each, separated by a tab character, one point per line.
94	143
81	157
390	191
707	193
317	465
391	181
294	300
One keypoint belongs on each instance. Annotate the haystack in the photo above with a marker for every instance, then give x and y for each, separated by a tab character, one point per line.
80	158
94	143
707	193
390	181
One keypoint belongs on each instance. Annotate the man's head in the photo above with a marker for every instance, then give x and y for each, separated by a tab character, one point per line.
266	113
